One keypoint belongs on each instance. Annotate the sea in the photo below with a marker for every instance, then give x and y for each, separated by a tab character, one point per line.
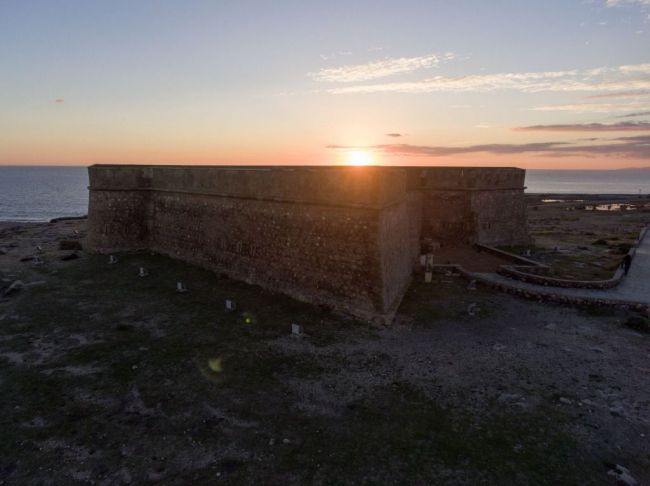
43	193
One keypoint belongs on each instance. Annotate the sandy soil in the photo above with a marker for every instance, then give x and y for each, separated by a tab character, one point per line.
108	378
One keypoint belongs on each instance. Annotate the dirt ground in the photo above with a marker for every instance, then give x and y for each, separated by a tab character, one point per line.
107	378
583	238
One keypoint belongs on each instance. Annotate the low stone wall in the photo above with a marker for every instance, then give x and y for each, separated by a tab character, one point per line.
522	261
517	274
545	294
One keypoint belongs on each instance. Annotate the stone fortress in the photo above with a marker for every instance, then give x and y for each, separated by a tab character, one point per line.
345	237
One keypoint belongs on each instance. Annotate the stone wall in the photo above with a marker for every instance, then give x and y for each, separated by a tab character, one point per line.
332	236
471	205
344	237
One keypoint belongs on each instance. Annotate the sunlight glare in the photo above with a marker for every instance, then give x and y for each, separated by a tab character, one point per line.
359	157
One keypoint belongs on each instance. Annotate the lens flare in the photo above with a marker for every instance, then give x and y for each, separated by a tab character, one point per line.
215	365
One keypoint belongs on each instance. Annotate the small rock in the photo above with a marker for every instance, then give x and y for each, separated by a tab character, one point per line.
36	283
70	256
565	401
499	347
272	442
15	287
623	475
552	326
286	441
616	410
509	397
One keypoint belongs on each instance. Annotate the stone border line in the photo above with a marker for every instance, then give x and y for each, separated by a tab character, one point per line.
518	272
543	294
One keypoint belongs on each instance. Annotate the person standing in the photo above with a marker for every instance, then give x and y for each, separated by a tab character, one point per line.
627	263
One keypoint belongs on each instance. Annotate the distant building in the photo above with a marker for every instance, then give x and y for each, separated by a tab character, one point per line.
345	237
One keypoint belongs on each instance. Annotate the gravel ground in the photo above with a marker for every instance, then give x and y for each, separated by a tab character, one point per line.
108	378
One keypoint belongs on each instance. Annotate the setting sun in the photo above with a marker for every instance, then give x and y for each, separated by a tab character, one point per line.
359	157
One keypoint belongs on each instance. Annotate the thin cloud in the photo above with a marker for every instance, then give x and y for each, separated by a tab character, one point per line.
594	107
625	94
588	127
59	100
394	135
612	79
619	3
624	147
635	115
378	69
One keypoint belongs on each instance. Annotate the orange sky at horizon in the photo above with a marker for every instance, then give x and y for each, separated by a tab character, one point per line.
306	83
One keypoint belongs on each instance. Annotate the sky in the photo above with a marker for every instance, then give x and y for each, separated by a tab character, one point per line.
557	84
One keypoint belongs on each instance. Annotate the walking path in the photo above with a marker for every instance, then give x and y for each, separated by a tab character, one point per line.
635	287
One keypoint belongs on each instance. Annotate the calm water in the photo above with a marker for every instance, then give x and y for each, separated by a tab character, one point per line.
43	193
588	181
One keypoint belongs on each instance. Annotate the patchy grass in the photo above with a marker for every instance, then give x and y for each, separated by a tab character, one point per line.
108	377
591	243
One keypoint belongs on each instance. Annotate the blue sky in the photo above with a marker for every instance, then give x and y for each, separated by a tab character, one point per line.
529	83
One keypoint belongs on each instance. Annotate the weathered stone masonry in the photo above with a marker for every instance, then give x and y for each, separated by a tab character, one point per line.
345	237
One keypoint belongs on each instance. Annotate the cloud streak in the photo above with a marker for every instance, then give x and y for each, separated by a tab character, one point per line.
588	127
627	94
595	107
635	115
624	147
619	3
608	79
378	69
